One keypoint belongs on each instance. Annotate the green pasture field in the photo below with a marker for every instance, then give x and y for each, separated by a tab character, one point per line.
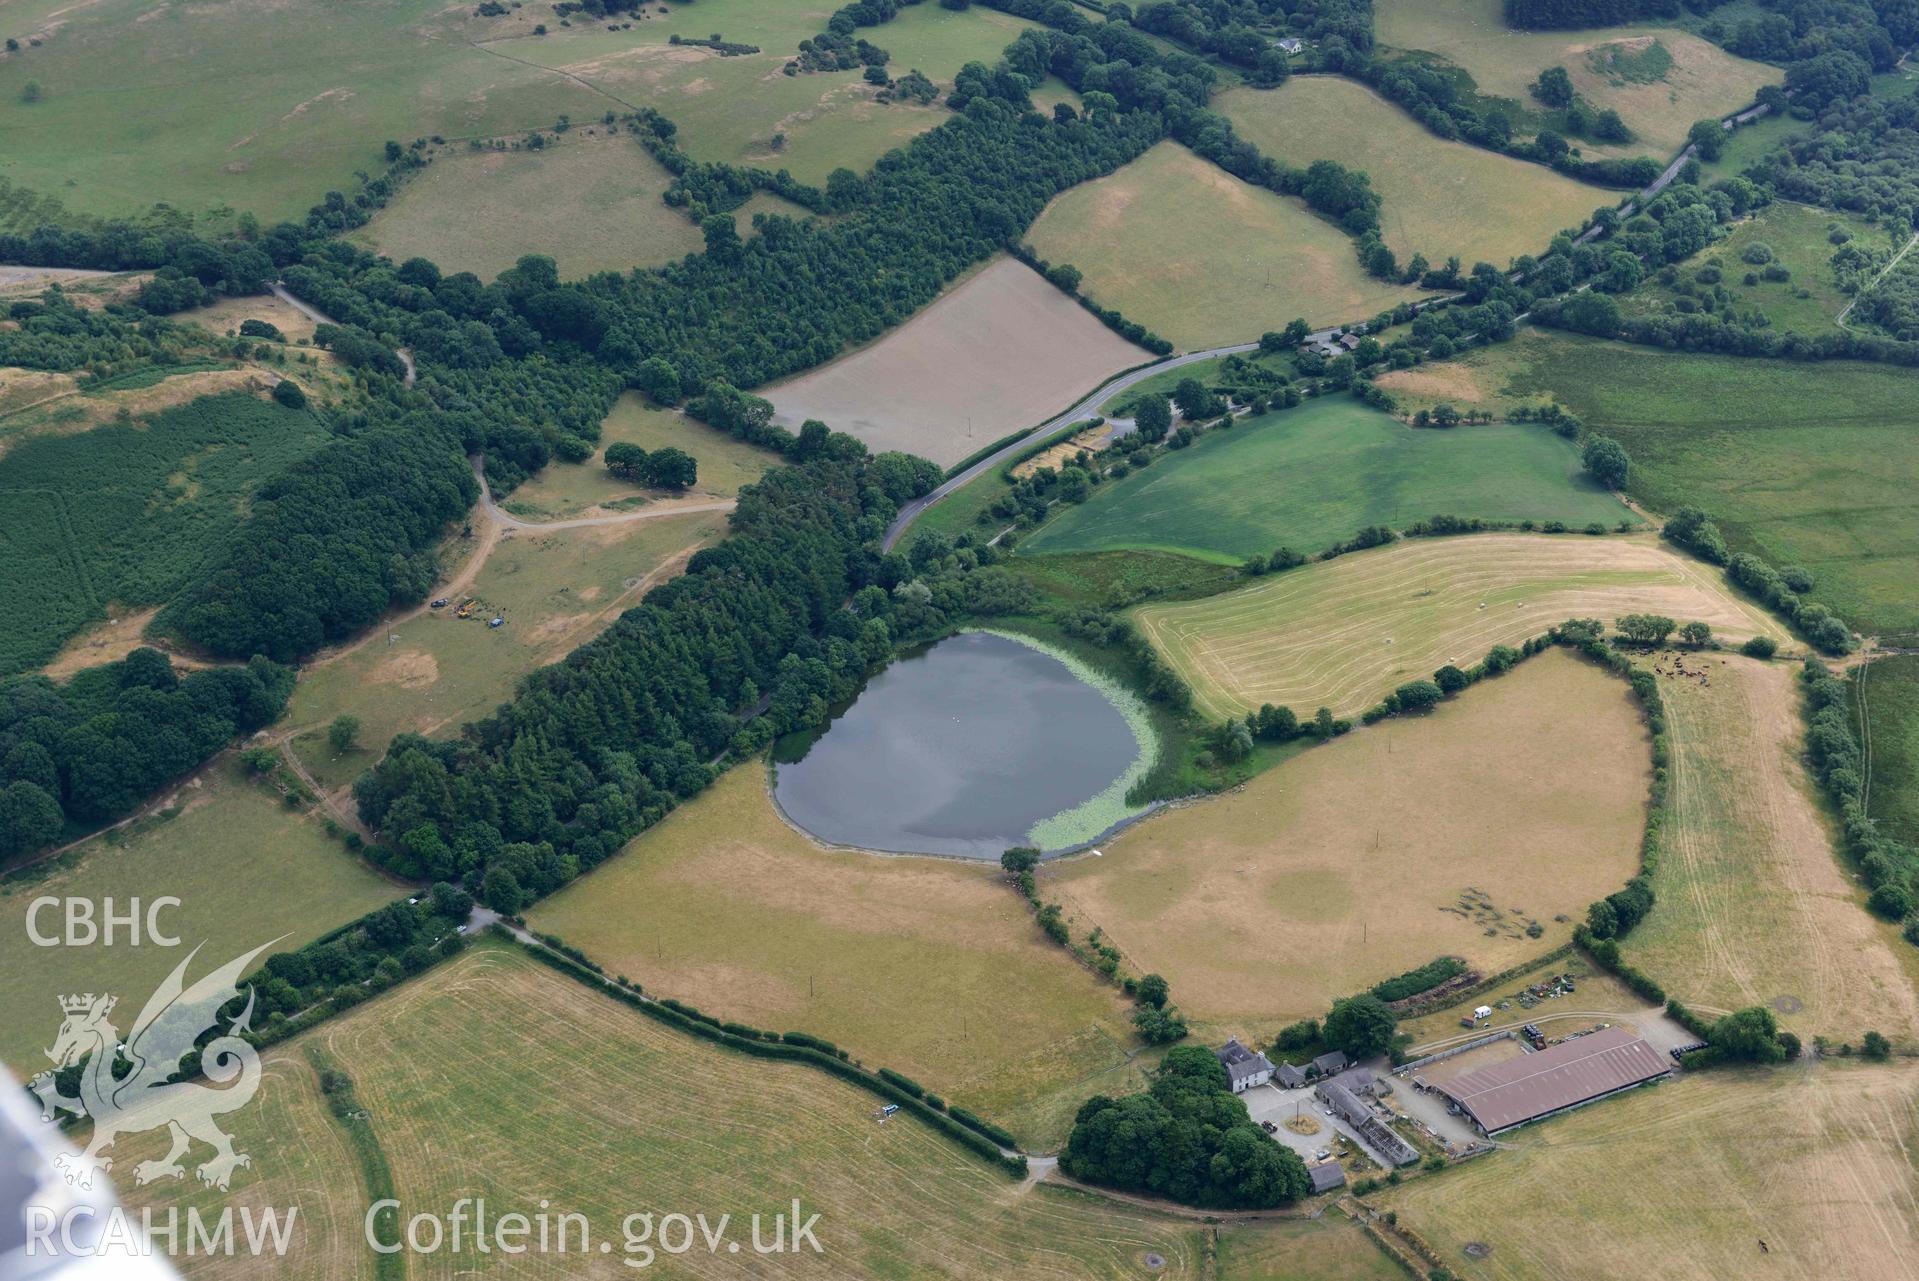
1203	259
1439	198
124	512
591	202
285	104
1886	699
252	105
1750	143
1798	237
429	672
601	1111
729	109
1310	477
567	489
245	868
1806	463
1611	67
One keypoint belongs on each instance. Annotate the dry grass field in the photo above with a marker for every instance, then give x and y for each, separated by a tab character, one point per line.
245	869
1341	633
1203	259
592	203
726	906
1686	1178
563	490
1447	833
225	315
1000	351
1296	1249
1753	907
555	590
302	1158
1439	198
494	1077
1702	80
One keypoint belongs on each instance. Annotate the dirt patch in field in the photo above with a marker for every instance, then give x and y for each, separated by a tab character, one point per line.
409	669
1093	438
1002	351
1344	632
1458	384
1753	906
225	316
1347	864
109	642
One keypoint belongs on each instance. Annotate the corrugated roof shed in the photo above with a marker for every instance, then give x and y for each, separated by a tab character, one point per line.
1326	1176
1568	1074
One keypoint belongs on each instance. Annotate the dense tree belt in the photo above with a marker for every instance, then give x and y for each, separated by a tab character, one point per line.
599	746
1546	15
88	751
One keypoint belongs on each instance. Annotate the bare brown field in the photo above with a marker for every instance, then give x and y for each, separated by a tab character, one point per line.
1687	1178
1753	907
1002	351
1341	633
726	906
1448	833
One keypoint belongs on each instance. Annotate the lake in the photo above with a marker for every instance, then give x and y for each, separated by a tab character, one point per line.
965	749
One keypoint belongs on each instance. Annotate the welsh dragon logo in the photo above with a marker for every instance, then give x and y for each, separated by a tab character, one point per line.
124	1087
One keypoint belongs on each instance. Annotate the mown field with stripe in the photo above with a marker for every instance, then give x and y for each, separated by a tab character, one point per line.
1753	905
1340	633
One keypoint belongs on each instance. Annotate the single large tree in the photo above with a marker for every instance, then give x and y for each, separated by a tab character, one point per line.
1361	1025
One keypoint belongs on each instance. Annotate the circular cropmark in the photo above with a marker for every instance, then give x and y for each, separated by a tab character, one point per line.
1155	1262
1785	1004
1477	1249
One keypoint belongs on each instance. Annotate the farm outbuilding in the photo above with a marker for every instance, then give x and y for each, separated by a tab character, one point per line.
1326	1176
1574	1072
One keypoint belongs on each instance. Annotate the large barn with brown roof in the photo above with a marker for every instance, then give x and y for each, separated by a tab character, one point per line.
1569	1074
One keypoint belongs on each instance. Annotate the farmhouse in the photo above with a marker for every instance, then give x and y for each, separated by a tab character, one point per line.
1290	44
1244	1068
1569	1074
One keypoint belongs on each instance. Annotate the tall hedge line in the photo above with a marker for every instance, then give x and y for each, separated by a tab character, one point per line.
953	1128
